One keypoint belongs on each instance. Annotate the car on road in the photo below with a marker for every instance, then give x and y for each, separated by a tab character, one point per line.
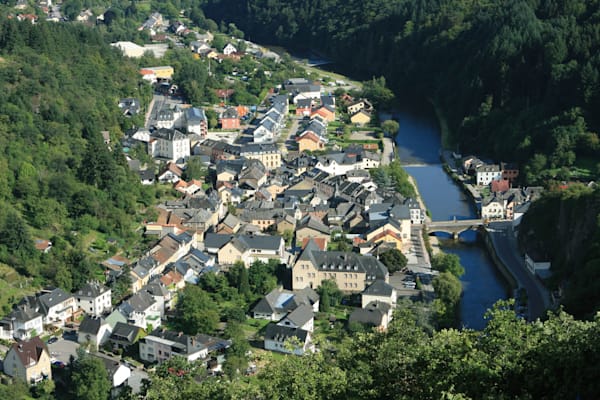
52	339
58	364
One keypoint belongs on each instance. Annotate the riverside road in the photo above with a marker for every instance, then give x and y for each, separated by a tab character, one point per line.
505	243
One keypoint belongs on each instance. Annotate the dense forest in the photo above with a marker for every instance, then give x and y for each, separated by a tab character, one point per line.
59	88
517	80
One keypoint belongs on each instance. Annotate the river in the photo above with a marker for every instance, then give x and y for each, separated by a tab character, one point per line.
418	145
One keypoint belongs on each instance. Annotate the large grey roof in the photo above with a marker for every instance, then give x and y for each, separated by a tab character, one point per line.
379	288
281	301
139	302
123	331
301	315
90	325
282	333
344	261
216	240
168	134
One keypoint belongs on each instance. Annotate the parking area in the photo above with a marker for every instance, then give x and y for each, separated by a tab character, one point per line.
63	348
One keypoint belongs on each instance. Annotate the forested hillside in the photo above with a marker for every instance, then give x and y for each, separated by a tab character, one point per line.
59	88
517	80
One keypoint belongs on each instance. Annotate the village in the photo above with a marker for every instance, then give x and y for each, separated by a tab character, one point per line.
283	187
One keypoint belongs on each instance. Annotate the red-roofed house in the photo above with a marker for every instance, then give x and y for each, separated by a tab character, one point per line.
325	112
500	185
309	141
43	245
320	242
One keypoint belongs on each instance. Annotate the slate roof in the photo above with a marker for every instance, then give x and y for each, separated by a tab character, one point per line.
230	112
125	332
281	301
301	315
372	314
139	302
379	288
168	134
216	240
195	115
280	333
313	223
91	290
344	261
91	325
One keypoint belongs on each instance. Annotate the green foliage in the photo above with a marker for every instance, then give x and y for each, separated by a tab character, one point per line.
261	277
448	290
394	260
195	169
89	379
390	127
196	312
393	177
328	290
446	262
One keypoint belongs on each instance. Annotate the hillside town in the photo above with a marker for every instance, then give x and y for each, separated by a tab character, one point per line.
287	183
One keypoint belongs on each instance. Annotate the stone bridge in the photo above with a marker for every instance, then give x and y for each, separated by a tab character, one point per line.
454	227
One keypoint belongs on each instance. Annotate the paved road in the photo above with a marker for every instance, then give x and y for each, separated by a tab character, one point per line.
63	349
505	244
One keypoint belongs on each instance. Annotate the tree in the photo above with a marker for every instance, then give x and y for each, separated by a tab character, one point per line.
195	169
89	379
394	260
196	312
446	262
329	289
325	302
261	277
390	127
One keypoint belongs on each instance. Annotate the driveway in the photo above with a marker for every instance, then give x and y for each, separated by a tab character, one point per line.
63	349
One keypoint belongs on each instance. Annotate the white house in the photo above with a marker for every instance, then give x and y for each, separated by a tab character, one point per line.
94	332
379	291
301	318
485	174
94	299
169	144
288	340
493	207
54	304
160	345
141	310
229	49
118	374
22	323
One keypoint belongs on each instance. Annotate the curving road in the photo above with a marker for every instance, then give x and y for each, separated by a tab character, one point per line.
503	240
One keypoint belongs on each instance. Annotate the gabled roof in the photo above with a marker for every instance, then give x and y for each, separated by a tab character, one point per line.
280	333
139	302
300	316
379	288
92	290
125	332
372	314
91	325
313	223
30	351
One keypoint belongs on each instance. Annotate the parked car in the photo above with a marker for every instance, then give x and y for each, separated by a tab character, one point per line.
52	339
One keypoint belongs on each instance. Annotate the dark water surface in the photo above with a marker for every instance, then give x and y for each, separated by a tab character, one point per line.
418	147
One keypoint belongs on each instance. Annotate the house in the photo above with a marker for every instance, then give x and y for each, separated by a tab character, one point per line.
125	335
93	332
170	174
251	248
302	89
54	304
510	171
173	281
280	302
376	314
129	106
22	323
196	121
310	141
28	361
142	310
43	245
162	73
193	264
304	107
229	119
118	375
359	105
493	207
288	340
417	214
94	299
485	174
311	227
500	185
361	118
268	154
300	318
146	176
351	272
229	49
230	225
325	112
538	266
169	145
197	46
160	345
379	291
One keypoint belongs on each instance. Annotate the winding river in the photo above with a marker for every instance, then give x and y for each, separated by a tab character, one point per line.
418	144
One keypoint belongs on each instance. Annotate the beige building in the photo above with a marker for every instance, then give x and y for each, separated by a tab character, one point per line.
352	272
310	227
361	118
28	361
251	248
269	154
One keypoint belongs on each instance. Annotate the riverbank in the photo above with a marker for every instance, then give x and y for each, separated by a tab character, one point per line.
443	123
